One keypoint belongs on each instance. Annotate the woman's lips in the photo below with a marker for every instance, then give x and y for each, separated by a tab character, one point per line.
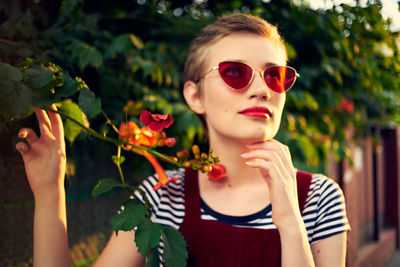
258	112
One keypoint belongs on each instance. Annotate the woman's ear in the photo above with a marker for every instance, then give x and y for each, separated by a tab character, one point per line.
191	92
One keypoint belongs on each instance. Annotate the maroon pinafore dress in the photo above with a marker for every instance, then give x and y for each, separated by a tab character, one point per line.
217	244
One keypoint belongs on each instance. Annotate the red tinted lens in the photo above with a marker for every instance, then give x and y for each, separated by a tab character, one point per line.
280	78
237	75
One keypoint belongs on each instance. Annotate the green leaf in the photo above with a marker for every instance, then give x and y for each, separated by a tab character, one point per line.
136	41
147	236
115	159
38	76
90	105
8	72
118	44
43	98
104	128
90	56
69	87
175	253
71	129
68	5
154	260
104	185
15	99
130	217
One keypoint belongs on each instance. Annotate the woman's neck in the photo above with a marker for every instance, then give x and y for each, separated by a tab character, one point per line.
229	151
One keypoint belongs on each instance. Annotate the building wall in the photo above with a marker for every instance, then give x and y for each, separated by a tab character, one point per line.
370	182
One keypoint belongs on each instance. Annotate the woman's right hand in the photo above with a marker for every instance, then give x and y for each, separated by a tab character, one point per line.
44	158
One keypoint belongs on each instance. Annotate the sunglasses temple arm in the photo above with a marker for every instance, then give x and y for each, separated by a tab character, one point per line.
202	76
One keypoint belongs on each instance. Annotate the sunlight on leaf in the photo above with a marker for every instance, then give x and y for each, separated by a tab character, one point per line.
71	129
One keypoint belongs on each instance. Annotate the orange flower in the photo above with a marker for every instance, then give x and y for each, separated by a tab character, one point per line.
162	176
131	133
217	172
128	132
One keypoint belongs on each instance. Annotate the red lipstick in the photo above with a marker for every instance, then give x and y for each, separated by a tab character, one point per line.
258	112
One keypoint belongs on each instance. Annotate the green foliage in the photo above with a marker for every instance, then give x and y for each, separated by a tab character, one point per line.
147	236
15	97
154	260
175	254
104	186
89	104
71	129
130	217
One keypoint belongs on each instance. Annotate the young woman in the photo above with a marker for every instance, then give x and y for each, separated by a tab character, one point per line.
264	213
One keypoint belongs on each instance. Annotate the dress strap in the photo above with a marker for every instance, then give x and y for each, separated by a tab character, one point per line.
303	185
192	194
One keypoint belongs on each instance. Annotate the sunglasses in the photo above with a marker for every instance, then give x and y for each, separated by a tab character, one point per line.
238	75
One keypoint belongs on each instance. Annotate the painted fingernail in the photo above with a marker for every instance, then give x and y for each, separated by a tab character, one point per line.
22	133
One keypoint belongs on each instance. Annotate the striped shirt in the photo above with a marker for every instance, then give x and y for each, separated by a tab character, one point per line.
324	212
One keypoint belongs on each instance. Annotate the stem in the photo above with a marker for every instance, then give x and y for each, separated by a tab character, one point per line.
109	121
87	129
118	163
117	142
9	42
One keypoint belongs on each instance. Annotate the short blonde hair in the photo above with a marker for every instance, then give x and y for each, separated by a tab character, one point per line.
222	27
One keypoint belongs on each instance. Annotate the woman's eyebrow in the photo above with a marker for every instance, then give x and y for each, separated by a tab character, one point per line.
269	64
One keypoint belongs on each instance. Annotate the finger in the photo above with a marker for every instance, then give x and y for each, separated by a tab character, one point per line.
268	169
43	120
28	134
22	148
285	150
269	156
280	149
56	123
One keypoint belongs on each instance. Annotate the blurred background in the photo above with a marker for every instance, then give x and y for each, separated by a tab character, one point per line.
341	118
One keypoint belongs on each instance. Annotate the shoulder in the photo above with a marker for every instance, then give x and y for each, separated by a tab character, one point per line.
325	211
322	187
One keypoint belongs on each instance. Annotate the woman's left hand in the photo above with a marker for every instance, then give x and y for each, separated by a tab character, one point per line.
275	164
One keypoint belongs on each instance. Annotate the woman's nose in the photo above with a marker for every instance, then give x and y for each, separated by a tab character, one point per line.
258	87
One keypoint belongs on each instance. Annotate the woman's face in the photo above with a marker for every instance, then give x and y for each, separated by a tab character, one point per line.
229	113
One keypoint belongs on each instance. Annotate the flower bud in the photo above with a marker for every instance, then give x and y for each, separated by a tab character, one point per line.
184	153
186	164
206	168
196	151
169	142
204	156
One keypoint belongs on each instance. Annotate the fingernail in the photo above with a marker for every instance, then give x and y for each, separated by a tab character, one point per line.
20	147
244	155
22	133
250	163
